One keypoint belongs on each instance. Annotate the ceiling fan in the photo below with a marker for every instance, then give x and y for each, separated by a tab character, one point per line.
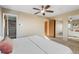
43	10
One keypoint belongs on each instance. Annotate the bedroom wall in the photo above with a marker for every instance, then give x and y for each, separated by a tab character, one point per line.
65	19
27	24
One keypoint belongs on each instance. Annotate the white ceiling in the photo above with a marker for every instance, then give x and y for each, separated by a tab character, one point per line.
58	9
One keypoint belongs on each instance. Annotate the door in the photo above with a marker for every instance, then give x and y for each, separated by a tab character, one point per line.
46	28
50	26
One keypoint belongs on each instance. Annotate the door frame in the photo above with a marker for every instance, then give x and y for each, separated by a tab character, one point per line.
9	14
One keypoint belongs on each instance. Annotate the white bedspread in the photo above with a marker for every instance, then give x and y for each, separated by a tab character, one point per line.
24	46
49	46
38	45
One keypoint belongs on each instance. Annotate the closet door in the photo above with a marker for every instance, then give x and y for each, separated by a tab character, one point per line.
52	25
46	28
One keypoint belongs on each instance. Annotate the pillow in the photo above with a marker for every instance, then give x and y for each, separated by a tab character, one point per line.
6	46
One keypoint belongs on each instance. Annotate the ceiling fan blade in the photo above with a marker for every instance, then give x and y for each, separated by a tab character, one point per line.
36	8
36	12
47	6
49	11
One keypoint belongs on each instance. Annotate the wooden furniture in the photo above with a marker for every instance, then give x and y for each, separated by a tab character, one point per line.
50	26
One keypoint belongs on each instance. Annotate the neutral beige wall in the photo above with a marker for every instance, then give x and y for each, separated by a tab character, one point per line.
27	24
30	25
65	19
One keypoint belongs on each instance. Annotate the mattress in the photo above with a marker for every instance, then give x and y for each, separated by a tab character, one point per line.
38	45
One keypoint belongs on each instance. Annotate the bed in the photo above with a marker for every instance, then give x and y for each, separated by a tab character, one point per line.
38	45
25	46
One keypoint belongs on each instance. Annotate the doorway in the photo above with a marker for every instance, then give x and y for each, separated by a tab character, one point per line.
10	26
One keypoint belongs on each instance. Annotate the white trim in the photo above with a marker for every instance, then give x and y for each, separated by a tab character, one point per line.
7	27
3	25
9	14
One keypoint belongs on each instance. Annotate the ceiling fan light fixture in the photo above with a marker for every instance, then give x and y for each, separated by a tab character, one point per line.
43	14
43	11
